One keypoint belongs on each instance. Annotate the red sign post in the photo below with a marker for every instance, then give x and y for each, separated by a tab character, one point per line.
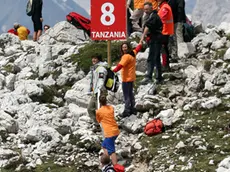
108	21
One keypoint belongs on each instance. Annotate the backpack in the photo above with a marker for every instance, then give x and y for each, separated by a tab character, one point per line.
79	22
111	80
29	8
154	23
119	168
188	32
154	127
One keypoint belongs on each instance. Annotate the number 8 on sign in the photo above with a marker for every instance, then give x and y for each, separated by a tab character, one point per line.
107	13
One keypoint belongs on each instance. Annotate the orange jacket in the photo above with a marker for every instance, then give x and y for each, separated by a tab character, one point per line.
105	116
139	4
165	13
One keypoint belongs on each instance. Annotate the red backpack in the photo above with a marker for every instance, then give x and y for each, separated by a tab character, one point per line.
119	168
79	22
154	127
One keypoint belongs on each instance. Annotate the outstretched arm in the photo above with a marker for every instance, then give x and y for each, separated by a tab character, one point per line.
118	67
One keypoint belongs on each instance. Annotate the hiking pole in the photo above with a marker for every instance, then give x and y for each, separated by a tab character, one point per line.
98	101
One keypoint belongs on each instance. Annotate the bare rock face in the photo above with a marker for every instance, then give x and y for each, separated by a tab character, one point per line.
211	12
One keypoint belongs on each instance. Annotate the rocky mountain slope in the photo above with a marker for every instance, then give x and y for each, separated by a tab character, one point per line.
211	12
44	125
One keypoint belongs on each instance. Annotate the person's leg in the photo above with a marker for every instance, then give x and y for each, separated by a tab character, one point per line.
108	146
150	60
166	47
92	109
125	90
105	151
137	14
157	59
173	43
39	33
35	36
114	158
150	65
179	33
132	99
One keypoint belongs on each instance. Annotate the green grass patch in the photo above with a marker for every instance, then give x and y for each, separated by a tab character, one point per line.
220	53
209	124
83	59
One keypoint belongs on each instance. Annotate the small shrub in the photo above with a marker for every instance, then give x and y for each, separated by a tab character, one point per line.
83	59
207	65
220	53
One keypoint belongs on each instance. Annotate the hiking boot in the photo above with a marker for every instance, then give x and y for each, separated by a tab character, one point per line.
133	111
146	81
159	81
125	114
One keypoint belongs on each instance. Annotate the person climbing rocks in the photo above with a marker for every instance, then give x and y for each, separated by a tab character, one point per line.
22	31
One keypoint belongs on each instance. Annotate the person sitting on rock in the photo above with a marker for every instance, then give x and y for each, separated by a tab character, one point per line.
98	75
128	75
22	31
106	164
105	116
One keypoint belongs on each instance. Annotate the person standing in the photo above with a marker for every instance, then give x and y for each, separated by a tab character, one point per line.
37	18
153	27
97	76
165	13
127	65
179	17
138	13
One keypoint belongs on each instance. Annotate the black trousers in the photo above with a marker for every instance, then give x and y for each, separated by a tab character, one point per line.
127	88
154	59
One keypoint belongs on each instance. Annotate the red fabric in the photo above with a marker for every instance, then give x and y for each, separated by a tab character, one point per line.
138	48
164	59
153	127
13	31
84	22
118	67
28	31
119	168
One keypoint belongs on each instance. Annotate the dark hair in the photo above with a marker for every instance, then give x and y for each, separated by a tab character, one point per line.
46	26
130	50
102	99
98	56
105	159
148	3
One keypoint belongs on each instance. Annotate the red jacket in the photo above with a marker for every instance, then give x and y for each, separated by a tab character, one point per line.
13	31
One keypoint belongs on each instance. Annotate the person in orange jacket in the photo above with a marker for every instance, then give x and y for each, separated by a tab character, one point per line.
127	65
138	13
105	116
166	15
22	31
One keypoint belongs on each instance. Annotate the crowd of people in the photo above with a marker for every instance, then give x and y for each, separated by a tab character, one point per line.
22	32
160	22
